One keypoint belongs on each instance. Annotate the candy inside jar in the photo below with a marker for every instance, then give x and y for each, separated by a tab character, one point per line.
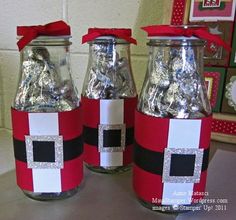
174	87
109	75
43	86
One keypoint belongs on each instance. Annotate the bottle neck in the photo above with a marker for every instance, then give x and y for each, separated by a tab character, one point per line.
57	55
46	49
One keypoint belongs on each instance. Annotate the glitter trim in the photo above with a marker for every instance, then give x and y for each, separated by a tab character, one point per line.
166	178
58	140
103	127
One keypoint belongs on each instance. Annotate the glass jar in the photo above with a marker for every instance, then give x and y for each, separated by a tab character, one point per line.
173	124
109	98
46	121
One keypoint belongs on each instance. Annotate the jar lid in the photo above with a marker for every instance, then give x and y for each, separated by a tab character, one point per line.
172	38
55	29
107	33
186	32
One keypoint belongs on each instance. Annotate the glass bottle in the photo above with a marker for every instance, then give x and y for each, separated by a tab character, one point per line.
109	88
46	90
172	109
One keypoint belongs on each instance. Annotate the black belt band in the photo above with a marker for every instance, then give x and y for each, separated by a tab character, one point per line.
152	161
71	149
90	136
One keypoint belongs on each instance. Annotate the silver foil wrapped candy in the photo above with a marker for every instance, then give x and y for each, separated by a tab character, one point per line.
174	87
109	74
42	88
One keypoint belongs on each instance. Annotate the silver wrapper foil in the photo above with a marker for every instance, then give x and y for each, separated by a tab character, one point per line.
174	88
42	88
109	75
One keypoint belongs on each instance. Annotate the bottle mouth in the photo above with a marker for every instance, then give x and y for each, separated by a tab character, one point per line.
175	43
108	40
180	37
63	40
48	37
172	38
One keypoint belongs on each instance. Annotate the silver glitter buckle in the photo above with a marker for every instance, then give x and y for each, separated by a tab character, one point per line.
58	149
195	178
102	128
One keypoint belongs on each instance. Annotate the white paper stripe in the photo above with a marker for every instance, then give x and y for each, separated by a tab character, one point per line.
177	193
111	158
43	124
182	134
111	112
45	180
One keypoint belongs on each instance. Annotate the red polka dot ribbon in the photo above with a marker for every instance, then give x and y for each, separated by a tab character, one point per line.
225	127
178	12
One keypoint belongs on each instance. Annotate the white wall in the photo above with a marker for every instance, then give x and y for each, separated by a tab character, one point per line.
82	14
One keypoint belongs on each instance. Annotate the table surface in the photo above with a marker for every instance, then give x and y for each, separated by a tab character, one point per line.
111	197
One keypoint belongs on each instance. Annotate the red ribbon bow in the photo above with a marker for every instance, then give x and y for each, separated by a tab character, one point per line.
29	33
199	32
122	33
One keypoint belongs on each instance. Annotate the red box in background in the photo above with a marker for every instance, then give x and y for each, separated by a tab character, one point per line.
212	10
214	79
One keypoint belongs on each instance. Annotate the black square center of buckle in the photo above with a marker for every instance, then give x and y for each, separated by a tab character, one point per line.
182	164
43	151
112	138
